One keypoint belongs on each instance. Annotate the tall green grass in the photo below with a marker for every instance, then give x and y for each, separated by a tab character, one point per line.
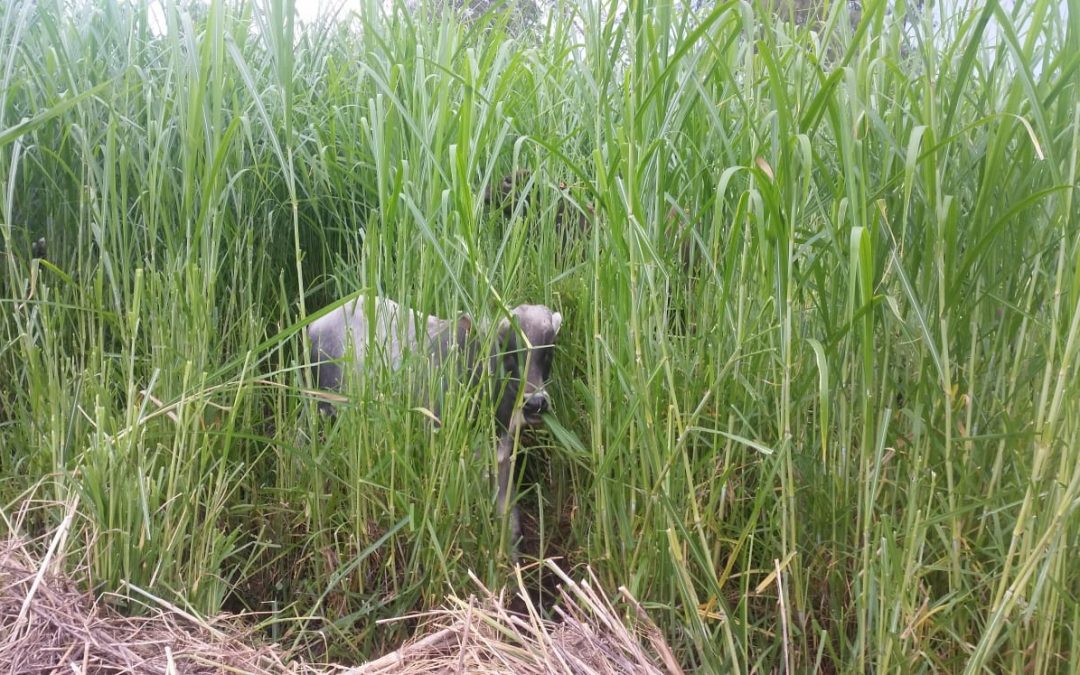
845	436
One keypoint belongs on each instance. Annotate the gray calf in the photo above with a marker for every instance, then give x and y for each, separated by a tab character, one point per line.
518	365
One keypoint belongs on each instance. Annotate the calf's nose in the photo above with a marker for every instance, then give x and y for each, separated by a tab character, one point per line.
536	405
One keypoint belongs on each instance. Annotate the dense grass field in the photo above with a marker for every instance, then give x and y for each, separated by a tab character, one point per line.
816	394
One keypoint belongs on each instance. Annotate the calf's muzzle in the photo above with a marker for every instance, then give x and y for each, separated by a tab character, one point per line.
536	405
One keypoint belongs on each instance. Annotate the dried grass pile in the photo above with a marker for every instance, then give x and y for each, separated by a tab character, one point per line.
589	637
47	625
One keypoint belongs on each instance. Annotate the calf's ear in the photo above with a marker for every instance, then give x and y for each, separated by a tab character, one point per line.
464	327
556	321
502	333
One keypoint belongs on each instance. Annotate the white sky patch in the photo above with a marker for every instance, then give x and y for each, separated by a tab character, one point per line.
309	10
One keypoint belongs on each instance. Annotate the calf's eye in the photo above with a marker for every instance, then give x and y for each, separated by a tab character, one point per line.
510	362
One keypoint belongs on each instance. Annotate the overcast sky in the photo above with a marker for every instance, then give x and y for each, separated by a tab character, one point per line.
308	10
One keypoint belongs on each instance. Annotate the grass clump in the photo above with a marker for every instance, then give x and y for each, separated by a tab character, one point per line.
815	390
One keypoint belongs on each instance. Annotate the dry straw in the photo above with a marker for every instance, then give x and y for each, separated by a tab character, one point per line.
47	624
483	635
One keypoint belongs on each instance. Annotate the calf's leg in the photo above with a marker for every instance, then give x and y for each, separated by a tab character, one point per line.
504	496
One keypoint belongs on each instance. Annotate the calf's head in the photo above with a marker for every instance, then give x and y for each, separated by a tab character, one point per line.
521	363
508	191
